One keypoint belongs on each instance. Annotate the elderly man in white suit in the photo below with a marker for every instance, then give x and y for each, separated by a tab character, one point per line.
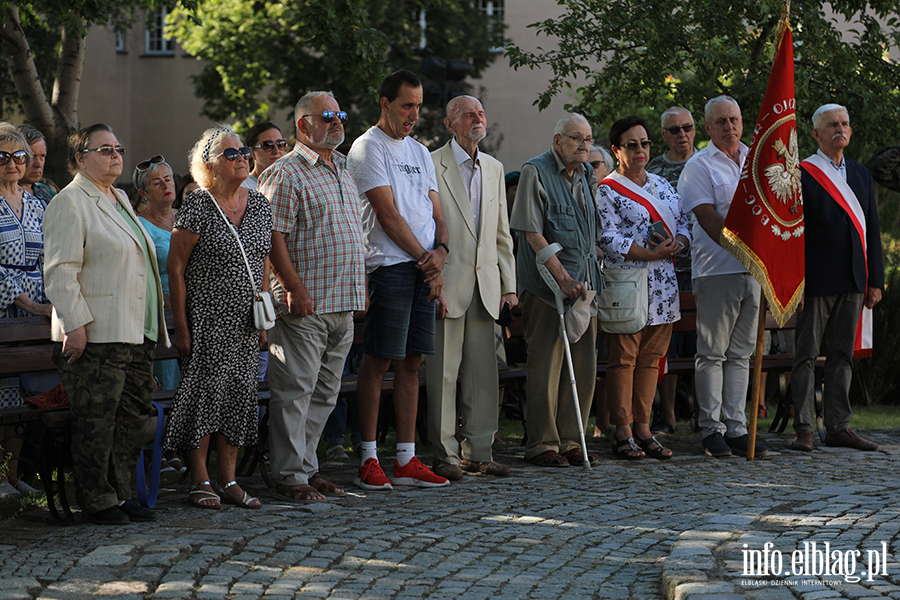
480	273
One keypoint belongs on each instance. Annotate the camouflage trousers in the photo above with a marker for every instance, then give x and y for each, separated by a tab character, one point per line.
110	391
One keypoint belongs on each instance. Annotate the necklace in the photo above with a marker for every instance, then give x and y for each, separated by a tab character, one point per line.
225	206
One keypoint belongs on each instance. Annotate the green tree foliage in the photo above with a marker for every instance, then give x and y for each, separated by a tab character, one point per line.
621	57
262	55
41	59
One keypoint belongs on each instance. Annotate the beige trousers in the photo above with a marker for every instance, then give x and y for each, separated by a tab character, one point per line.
464	350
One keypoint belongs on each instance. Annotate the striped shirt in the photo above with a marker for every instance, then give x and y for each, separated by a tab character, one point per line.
318	212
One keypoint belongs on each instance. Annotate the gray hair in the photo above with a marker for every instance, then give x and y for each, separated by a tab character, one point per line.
674	110
824	110
31	134
707	112
304	103
10	134
139	178
563	124
207	146
607	157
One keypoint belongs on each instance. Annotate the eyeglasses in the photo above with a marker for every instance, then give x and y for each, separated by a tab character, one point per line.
674	130
580	140
632	146
595	164
106	150
269	145
232	154
19	157
144	165
329	115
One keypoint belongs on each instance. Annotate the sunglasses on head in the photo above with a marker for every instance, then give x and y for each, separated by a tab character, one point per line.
674	130
232	154
144	165
106	150
19	157
329	115
269	145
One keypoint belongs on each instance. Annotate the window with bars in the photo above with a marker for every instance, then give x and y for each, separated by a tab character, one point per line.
157	43
494	10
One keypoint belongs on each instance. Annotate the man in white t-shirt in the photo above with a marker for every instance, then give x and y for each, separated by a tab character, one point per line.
406	246
727	295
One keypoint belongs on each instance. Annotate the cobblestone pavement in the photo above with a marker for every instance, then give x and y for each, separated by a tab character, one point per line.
681	529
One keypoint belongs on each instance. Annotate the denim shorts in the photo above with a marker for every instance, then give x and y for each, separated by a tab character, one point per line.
400	318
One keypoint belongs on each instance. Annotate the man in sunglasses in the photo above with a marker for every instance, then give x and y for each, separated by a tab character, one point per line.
406	246
727	295
678	133
317	258
473	197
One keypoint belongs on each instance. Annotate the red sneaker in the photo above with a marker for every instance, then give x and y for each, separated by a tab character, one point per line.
371	477
417	474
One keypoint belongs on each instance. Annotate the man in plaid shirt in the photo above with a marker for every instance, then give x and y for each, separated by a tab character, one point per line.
319	263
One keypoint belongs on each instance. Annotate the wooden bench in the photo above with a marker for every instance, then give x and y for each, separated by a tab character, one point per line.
26	347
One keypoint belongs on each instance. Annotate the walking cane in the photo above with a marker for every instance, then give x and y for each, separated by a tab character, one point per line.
542	257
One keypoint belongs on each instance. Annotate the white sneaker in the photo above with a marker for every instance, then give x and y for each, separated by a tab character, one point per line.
27	490
6	489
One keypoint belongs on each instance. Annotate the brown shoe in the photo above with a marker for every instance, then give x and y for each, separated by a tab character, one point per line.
848	438
488	468
447	470
803	441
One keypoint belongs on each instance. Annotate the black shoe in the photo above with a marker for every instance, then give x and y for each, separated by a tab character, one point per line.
136	512
714	445
663	428
107	516
740	443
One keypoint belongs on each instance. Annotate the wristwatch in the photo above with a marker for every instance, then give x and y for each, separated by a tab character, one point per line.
446	247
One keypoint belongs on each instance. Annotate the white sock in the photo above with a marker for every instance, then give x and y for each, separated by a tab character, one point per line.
405	453
368	450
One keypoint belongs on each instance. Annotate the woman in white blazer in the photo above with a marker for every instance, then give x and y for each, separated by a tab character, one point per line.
102	278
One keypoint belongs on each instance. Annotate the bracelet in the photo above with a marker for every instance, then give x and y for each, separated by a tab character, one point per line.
446	248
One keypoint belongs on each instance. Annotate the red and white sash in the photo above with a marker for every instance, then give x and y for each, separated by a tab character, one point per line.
658	210
830	179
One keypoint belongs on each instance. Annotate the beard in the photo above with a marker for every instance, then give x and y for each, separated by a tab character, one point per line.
330	140
476	134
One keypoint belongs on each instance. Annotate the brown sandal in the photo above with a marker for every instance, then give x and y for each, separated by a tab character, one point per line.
576	457
296	493
325	487
550	458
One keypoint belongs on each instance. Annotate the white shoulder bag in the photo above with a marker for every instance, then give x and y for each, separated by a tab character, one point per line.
263	308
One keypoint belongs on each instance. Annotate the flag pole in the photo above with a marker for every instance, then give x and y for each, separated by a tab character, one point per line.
757	378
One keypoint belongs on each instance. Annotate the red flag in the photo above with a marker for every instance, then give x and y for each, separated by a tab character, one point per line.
764	226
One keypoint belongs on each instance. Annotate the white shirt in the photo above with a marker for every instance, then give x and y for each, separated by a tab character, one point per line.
376	160
470	169
711	177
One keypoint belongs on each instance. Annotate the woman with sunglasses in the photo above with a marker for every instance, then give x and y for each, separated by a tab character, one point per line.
635	206
212	298
155	185
268	145
103	280
21	275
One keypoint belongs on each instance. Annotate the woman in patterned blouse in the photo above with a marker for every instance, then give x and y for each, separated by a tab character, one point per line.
632	204
21	271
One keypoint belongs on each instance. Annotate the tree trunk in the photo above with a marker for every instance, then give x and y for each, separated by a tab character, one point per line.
56	120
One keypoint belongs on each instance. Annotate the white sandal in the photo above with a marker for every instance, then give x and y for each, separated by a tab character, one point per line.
205	496
246	501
